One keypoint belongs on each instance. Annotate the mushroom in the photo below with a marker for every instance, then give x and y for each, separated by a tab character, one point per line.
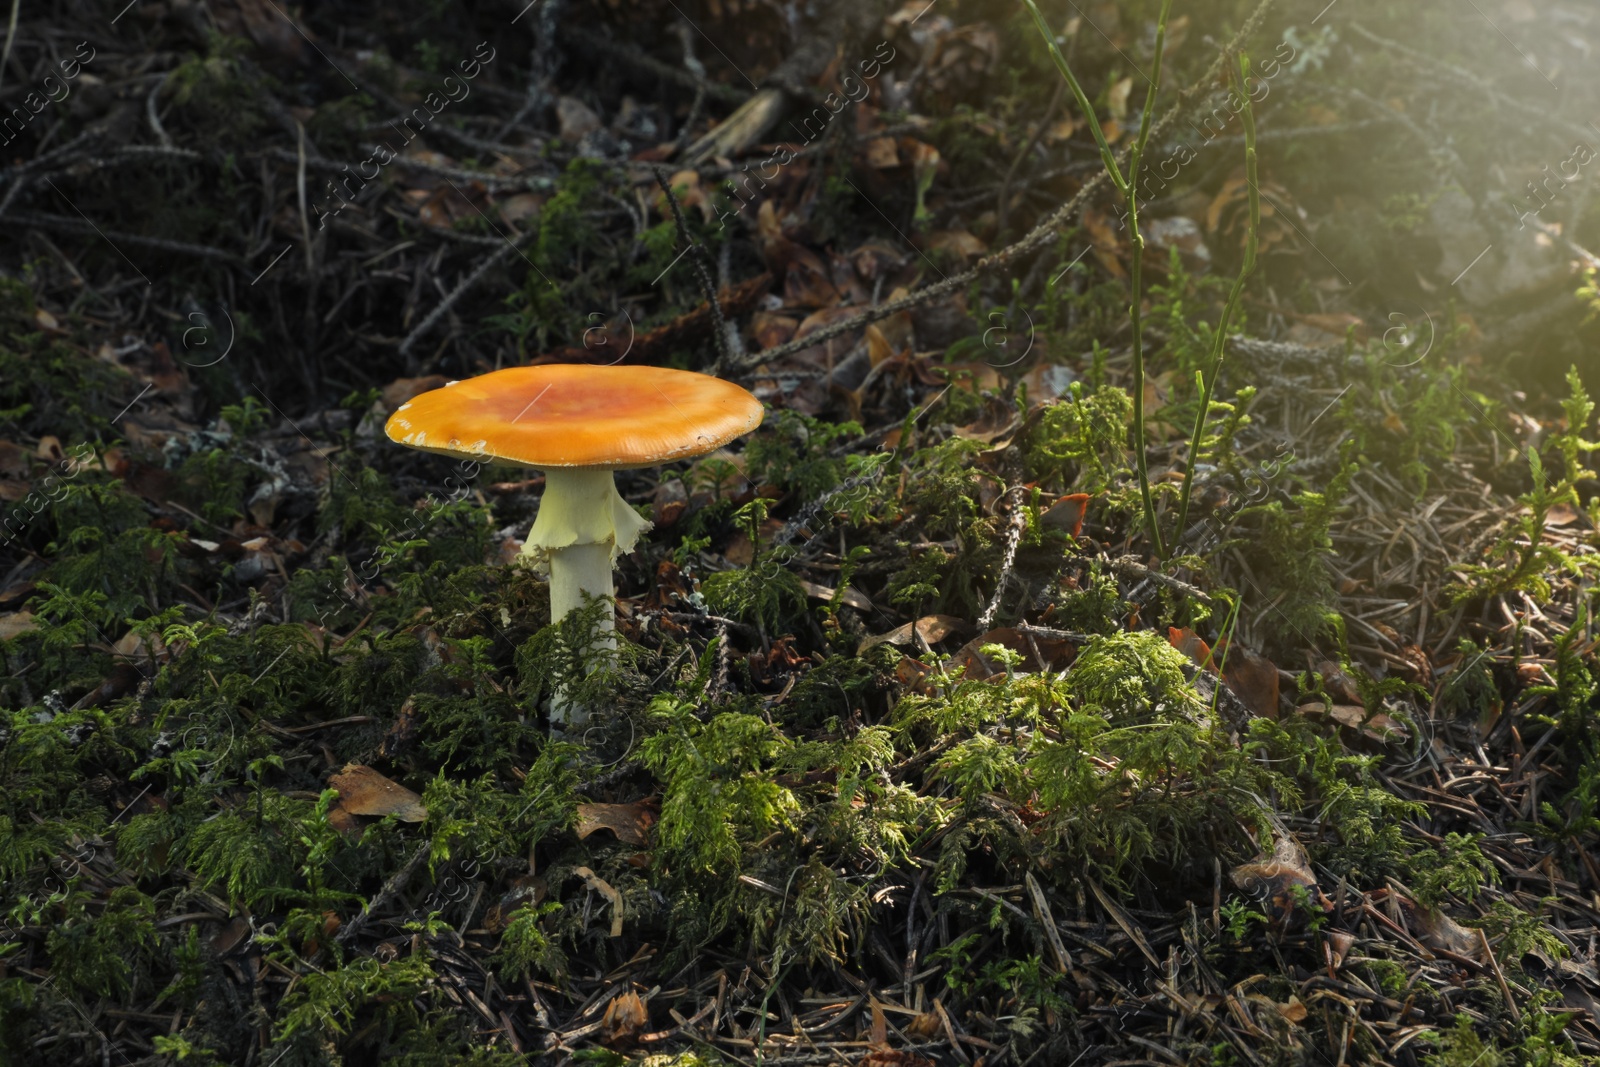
578	423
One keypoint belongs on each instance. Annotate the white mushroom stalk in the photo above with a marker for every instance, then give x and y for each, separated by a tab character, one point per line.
583	527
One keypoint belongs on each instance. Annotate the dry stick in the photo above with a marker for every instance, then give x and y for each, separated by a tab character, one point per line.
1129	566
391	889
67	224
700	258
1008	559
1036	238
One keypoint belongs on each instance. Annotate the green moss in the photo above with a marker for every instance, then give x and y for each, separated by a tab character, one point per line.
1081	440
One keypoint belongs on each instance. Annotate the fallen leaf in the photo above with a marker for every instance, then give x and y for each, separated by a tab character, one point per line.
880	153
1440	932
1340	686
232	934
771	330
1253	679
576	118
1117	98
625	1019
1561	515
1338	947
1067	513
630	822
520	208
1192	645
1380	726
958	242
851	595
931	628
402	390
1272	879
363	791
20	622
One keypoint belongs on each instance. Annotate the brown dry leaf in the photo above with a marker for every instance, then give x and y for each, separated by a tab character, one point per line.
958	242
520	208
131	646
1340	686
1254	680
924	1026
807	282
1067	513
880	153
1192	645
852	596
1233	189
15	460
1103	235
1118	98
1440	932
346	824
931	628
1561	515
879	1034
402	390
924	157
1272	879
625	1019
1062	129
576	118
1380	727
313	941
525	889
630	822
878	346
1046	381
1293	1011
232	934
888	1057
772	330
12	625
1338	947
363	791
1335	323
1348	715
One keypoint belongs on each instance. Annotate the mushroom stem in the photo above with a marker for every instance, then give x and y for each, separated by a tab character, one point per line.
576	570
582	527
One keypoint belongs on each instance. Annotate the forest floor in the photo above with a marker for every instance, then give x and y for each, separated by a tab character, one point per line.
924	743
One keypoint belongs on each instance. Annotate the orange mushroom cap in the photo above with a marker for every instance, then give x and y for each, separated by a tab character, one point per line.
575	415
